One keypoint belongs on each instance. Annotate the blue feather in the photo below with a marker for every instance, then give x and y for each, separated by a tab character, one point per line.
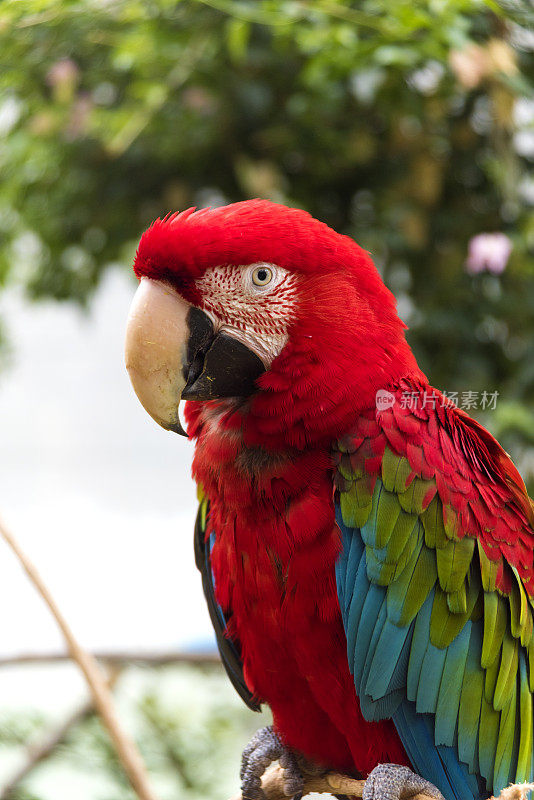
353	561
377	630
419	644
386	659
341	564
361	587
439	765
451	688
374	710
395	666
431	669
374	604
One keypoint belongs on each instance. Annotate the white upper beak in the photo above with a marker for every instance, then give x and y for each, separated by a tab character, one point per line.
155	350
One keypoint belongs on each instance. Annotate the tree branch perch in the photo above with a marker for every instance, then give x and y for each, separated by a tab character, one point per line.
329	783
335	783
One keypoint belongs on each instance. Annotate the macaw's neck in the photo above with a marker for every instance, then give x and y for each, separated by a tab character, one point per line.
304	403
246	480
312	395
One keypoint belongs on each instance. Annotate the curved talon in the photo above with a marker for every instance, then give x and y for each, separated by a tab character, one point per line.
264	748
389	781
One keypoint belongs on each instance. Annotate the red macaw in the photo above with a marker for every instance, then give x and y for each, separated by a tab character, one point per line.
366	547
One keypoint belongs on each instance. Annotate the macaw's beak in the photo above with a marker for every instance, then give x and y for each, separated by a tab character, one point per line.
173	352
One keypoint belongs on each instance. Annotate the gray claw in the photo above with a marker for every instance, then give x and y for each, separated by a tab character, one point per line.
390	781
264	748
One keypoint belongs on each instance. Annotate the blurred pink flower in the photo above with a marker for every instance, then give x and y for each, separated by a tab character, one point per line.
64	71
488	252
475	62
469	65
79	117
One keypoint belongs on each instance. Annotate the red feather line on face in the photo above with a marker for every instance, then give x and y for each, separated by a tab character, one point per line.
225	294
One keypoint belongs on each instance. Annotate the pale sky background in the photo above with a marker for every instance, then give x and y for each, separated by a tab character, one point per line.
97	494
102	501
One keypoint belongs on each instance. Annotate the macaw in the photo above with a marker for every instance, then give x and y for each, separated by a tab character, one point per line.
366	547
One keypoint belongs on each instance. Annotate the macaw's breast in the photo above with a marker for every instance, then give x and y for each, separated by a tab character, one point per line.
276	544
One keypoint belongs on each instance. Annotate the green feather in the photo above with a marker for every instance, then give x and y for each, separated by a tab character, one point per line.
396	472
203	514
446	625
406	537
488	569
457	601
488	734
490	681
368	531
524	759
504	768
384	565
519	610
417	496
383	519
528	630
452	524
470	702
388	512
495	617
408	593
378	571
432	520
530	652
346	469
507	672
453	561
356	504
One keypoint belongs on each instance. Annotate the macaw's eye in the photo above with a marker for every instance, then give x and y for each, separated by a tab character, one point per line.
262	276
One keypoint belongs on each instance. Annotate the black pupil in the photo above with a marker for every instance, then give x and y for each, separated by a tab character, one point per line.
262	275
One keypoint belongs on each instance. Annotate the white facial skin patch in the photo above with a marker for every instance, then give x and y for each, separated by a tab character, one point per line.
255	304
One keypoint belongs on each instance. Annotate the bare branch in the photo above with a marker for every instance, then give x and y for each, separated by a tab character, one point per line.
120	657
125	747
329	783
41	750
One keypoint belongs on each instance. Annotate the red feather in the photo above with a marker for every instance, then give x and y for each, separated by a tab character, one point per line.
273	560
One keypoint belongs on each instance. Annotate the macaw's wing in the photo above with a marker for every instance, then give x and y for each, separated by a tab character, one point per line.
230	655
435	583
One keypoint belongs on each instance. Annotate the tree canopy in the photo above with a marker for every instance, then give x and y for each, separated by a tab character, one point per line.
408	124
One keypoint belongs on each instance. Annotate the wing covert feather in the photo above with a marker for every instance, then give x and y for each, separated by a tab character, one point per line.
444	527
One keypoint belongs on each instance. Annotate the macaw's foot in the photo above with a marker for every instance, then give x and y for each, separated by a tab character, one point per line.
391	781
264	748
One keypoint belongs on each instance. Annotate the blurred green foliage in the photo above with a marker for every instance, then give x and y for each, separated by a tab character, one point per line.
407	124
189	723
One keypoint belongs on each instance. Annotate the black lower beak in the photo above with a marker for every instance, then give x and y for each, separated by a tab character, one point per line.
218	365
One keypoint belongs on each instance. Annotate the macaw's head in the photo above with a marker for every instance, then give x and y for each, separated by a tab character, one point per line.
269	307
